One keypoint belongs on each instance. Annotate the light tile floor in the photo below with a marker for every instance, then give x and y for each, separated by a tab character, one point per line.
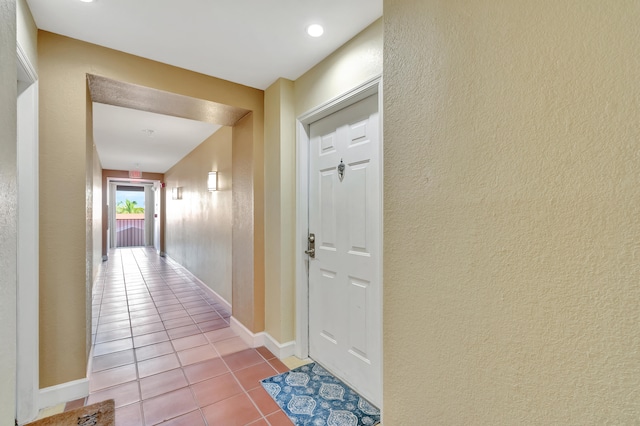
165	352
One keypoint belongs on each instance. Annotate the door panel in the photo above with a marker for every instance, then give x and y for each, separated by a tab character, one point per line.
345	319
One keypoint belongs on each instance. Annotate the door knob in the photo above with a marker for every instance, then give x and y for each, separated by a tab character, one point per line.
311	246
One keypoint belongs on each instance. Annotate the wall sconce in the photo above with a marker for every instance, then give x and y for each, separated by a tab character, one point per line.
212	181
176	193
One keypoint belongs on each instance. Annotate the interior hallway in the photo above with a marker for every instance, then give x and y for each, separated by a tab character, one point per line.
163	349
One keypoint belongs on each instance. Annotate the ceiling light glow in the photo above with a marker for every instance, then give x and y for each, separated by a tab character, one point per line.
86	1
315	30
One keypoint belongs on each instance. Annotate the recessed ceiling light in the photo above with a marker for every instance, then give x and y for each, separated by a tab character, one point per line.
315	30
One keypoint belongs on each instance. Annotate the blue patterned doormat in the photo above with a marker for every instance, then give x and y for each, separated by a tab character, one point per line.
311	396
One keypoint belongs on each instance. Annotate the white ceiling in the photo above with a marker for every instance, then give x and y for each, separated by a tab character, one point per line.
250	42
123	142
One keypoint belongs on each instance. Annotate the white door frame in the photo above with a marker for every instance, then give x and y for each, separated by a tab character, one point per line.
366	89
27	363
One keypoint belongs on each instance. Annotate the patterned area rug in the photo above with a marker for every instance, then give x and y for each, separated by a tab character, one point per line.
311	396
98	414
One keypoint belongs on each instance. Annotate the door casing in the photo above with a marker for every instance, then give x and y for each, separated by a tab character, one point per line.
366	89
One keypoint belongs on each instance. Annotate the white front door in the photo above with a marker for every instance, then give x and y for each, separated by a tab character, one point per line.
345	318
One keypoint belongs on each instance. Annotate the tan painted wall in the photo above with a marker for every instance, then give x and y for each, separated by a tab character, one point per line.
8	206
280	211
63	65
27	32
511	212
198	227
247	227
357	61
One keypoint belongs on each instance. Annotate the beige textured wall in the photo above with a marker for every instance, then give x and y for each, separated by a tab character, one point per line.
357	61
198	227
8	206
63	65
511	228
280	211
27	32
247	227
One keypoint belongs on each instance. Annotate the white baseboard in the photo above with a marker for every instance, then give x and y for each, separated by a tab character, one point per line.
280	350
64	392
255	340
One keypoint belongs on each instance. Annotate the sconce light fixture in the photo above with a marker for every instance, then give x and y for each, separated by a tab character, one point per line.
176	193
212	181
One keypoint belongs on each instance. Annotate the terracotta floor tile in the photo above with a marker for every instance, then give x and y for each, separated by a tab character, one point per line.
266	353
178	322
71	405
212	325
278	365
187	330
113	326
194	303
114	376
113	308
115	359
150	339
229	346
143	311
259	422
152	351
279	419
205	370
188	295
250	377
263	400
168	406
189	342
154	327
105	319
243	359
113	346
235	411
207	316
162	383
221	334
203	310
145	320
178	313
165	301
131	415
157	365
107	336
194	355
215	389
170	308
193	418
124	394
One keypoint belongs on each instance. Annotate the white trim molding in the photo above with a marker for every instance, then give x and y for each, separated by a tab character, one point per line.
255	340
27	340
64	392
26	71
